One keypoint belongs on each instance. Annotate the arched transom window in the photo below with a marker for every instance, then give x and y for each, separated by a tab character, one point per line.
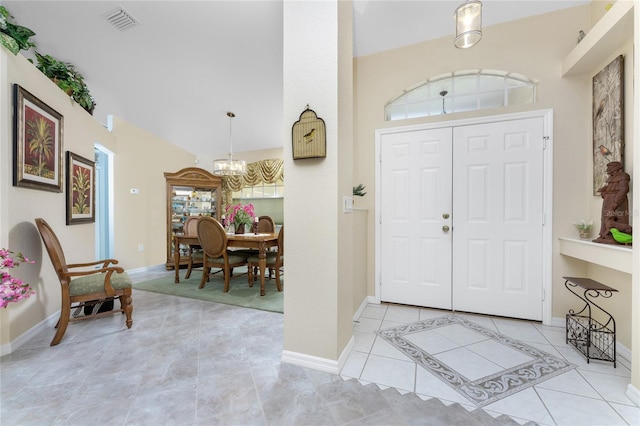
462	91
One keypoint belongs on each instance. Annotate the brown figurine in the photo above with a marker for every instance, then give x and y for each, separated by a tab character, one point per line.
615	205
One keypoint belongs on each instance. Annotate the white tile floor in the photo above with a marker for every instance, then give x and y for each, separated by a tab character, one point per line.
591	394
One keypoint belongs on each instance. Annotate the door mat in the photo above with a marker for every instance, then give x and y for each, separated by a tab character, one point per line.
538	367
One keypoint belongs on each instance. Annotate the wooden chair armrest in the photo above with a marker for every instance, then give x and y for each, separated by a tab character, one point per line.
105	263
95	271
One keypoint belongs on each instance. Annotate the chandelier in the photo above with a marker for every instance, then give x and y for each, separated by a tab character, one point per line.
468	17
229	166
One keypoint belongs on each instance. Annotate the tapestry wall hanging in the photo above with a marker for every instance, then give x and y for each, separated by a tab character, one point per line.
607	120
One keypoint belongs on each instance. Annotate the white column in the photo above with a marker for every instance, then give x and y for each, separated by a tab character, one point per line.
317	71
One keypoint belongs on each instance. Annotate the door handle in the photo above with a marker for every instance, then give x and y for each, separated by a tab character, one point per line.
445	228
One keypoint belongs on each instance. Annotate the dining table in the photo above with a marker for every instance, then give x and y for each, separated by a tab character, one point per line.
258	241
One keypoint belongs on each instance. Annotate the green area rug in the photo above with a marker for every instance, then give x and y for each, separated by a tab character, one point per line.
240	294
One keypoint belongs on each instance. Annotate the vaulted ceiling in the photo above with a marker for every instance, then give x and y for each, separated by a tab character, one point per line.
186	63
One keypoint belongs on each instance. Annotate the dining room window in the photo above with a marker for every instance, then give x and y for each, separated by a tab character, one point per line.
460	91
261	190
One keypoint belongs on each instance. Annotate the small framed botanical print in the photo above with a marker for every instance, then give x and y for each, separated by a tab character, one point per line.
80	189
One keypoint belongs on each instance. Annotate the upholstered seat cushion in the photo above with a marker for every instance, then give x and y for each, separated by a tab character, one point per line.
218	262
197	256
271	258
95	283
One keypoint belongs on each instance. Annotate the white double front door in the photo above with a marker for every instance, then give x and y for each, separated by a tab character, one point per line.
461	212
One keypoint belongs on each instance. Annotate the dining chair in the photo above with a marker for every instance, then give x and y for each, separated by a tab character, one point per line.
213	240
274	261
83	286
195	254
265	225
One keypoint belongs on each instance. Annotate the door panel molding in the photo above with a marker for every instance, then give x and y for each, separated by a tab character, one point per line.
414	236
512	193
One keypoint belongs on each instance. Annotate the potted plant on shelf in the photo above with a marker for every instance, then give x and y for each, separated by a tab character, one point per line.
14	37
584	229
359	190
67	77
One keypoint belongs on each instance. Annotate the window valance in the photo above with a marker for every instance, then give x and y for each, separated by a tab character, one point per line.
267	171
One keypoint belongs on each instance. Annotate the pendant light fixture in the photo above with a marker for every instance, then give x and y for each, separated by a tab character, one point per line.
443	94
229	167
468	17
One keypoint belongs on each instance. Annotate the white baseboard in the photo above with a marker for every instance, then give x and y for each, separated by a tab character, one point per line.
146	269
634	394
317	363
47	323
623	354
558	322
363	305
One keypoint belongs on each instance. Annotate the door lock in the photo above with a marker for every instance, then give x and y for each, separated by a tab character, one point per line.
445	228
445	215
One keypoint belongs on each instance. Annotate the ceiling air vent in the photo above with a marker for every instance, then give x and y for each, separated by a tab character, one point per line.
121	19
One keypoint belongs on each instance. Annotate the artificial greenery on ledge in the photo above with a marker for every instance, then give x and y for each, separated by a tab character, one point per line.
16	38
12	36
67	77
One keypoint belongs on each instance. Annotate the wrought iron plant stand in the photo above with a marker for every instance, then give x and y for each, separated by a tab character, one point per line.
594	339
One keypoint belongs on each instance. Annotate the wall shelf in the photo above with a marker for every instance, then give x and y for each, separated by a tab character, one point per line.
608	34
607	255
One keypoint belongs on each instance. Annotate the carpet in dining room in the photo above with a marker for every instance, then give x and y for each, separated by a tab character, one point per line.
240	294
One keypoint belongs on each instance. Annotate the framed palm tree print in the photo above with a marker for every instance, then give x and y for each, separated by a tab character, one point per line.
37	143
80	189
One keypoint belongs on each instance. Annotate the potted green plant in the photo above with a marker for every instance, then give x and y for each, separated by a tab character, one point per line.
67	77
584	228
359	190
14	37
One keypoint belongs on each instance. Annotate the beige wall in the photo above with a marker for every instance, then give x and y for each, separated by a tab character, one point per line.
140	163
522	47
346	234
20	206
360	246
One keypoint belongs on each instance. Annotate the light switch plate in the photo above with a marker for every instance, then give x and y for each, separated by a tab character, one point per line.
347	204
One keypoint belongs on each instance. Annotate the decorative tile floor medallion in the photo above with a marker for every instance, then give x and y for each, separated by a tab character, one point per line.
534	365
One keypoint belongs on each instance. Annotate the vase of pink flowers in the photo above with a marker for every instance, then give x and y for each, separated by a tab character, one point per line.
12	289
240	216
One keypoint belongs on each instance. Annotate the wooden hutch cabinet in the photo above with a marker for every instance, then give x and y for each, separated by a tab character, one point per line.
190	192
